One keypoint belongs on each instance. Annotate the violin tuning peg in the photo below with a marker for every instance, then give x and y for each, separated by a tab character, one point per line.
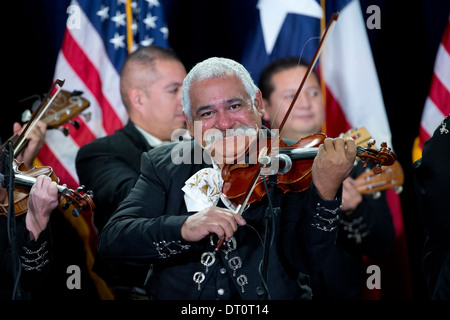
80	188
365	164
26	116
371	143
65	131
66	205
76	93
90	193
377	169
76	212
75	123
398	189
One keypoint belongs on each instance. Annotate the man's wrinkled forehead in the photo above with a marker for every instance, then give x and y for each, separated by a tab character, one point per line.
217	91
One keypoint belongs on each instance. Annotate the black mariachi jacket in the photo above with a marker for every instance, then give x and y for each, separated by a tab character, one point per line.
146	230
431	176
109	167
35	259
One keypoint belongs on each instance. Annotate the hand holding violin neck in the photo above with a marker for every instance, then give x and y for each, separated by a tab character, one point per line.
332	165
25	180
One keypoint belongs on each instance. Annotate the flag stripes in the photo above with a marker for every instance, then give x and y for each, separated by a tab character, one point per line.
437	104
90	59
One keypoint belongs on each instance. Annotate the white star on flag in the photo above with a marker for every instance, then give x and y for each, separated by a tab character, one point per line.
147	41
153	3
118	41
119	19
165	32
103	13
150	21
273	13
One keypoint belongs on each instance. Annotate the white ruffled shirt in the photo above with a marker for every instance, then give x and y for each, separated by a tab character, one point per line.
204	189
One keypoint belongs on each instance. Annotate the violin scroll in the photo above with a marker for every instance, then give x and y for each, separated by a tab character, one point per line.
78	201
383	157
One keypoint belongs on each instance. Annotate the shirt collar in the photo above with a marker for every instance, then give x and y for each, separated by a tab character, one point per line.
152	140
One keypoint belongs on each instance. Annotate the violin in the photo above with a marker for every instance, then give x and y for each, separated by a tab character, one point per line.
24	179
294	172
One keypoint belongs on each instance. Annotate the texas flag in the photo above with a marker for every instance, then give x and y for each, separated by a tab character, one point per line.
294	28
349	78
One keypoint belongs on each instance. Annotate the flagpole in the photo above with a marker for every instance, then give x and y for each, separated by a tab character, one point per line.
129	23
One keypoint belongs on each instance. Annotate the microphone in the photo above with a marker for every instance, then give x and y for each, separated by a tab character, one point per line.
6	158
281	163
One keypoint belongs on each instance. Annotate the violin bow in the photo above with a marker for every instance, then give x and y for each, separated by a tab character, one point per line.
324	38
37	115
319	49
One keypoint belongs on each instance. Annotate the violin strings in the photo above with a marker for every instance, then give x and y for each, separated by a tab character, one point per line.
293	78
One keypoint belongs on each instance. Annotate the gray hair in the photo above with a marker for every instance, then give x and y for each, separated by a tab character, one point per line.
216	68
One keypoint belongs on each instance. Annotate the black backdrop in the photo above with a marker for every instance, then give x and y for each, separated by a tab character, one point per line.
404	51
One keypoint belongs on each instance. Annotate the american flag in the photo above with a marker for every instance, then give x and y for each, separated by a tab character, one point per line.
437	104
95	45
98	37
353	94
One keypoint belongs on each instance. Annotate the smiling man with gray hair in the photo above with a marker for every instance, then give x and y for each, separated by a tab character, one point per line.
176	215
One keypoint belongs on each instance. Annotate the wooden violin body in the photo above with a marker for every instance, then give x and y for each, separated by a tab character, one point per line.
21	193
240	178
24	179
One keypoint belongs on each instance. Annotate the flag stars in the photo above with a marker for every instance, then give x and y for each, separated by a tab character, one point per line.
147	41
150	21
119	19
118	41
134	47
134	27
273	14
153	3
103	13
165	32
134	6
